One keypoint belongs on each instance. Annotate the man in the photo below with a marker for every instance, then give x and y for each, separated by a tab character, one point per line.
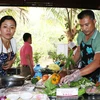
88	49
26	56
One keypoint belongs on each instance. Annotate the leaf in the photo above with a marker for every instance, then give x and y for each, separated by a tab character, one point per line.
69	60
81	91
70	53
64	86
48	84
72	62
50	92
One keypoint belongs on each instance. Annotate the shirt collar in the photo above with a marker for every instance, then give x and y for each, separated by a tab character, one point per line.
95	34
26	43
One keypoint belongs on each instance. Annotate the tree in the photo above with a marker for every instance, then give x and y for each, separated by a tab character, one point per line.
17	12
67	17
72	27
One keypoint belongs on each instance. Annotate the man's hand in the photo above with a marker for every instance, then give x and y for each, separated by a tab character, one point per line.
73	77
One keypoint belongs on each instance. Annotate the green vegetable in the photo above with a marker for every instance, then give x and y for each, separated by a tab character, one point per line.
65	86
81	91
83	82
48	84
50	92
50	89
34	80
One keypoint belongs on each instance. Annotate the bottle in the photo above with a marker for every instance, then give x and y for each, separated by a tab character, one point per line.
37	70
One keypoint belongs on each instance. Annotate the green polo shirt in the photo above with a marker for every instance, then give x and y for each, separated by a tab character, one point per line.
94	40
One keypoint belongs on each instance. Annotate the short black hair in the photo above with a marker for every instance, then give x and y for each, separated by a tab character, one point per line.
7	18
26	36
85	13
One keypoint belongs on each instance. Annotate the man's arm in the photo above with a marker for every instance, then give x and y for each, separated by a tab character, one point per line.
89	68
84	71
92	66
77	55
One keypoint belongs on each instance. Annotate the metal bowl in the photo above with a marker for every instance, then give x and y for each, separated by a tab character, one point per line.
14	80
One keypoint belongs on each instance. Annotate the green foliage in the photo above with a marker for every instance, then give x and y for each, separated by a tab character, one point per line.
81	91
61	37
50	92
48	84
61	57
83	81
64	86
34	80
50	89
37	56
57	57
53	55
69	60
82	84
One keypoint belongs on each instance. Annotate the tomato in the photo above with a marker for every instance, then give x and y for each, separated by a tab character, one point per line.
45	77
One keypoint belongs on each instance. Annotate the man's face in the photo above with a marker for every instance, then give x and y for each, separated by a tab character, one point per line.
87	25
